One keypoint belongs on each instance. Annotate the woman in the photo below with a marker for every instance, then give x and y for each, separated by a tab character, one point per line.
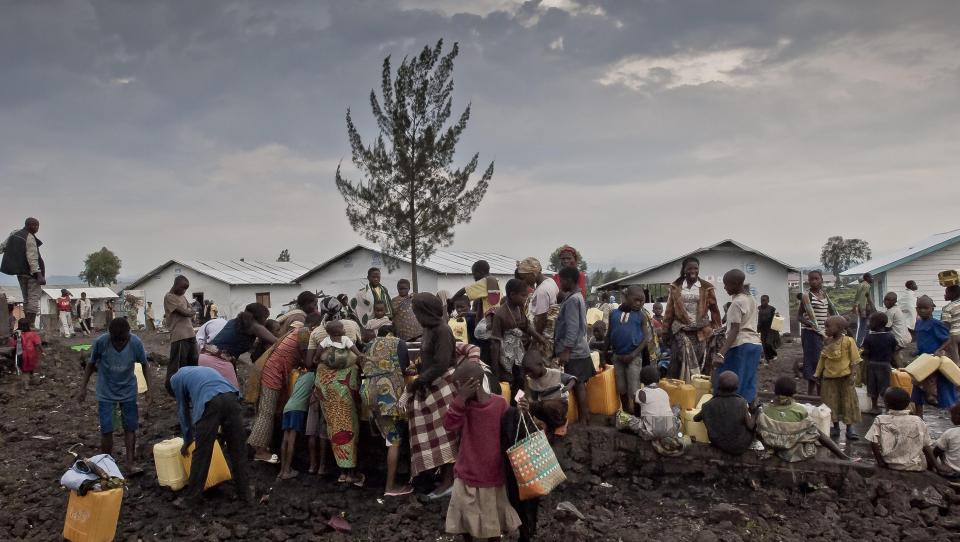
570	257
691	317
289	353
429	396
306	305
815	308
238	335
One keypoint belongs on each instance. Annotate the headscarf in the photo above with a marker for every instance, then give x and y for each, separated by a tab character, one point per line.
569	249
428	309
530	266
331	309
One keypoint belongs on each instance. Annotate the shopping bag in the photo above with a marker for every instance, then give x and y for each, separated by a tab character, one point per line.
534	464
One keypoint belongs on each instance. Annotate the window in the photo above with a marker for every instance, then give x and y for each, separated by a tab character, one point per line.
264	299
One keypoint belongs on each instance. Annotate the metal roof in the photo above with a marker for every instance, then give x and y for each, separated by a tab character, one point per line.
93	292
741	246
896	259
444	262
237	272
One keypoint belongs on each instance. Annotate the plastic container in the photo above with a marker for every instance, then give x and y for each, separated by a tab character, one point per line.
505	391
923	366
573	414
777	323
602	395
166	458
141	380
863	399
703	400
697	431
595	357
901	379
702	385
950	277
821	416
218	473
294	376
949	370
93	517
681	394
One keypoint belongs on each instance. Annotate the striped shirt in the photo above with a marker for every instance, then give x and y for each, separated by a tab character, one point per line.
951	316
821	311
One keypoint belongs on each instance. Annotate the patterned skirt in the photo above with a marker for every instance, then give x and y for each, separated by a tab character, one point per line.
262	430
840	395
337	391
431	445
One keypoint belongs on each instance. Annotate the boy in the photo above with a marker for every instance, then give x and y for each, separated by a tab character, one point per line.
897	324
656	419
879	348
741	352
404	322
458	322
371	294
570	339
549	391
510	326
479	506
947	447
178	319
598	342
891	450
727	417
379	319
207	405
30	348
295	421
113	356
629	334
951	316
933	337
786	427
769	338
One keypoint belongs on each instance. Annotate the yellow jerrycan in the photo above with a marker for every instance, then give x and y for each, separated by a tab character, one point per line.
93	517
166	458
218	473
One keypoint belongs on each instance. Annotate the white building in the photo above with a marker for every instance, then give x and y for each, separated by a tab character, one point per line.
231	284
98	297
346	273
765	275
919	263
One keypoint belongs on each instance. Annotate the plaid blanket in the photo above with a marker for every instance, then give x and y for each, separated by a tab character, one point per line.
431	446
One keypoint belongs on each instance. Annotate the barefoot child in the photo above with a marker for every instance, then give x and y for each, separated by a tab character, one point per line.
294	421
933	337
31	350
549	391
836	370
656	419
786	428
891	450
479	507
741	351
879	349
727	417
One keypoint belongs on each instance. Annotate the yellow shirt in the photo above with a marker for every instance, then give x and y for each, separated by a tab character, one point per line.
838	358
479	290
594	315
459	328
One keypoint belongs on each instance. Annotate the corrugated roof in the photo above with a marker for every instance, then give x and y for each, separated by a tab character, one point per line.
741	246
900	257
93	292
237	272
445	262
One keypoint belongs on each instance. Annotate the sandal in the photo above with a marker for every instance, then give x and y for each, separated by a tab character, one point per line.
360	480
273	459
399	492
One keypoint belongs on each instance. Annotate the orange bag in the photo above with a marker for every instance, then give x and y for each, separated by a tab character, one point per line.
534	464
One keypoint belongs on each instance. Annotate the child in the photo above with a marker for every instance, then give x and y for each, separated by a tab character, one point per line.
897	324
933	337
549	391
294	421
479	507
404	321
879	348
380	318
786	428
886	436
947	447
742	351
31	350
599	332
656	418
460	320
628	336
570	339
727	417
836	370
951	316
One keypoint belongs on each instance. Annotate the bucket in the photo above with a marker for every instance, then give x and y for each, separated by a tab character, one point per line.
777	323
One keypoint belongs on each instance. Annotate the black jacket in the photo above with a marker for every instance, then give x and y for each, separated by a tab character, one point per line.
15	255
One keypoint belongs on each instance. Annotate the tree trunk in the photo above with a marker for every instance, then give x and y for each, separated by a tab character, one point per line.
413	243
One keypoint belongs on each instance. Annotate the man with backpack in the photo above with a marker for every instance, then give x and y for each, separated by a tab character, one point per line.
21	257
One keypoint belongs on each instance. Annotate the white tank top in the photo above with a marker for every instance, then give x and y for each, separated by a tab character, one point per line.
657	402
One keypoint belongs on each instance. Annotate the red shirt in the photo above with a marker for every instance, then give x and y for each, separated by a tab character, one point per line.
63	303
479	460
582	282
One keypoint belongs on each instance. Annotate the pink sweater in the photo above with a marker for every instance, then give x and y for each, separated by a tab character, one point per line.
479	462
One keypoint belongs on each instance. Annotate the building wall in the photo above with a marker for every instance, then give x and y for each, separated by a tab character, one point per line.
157	286
453	283
241	296
923	271
765	276
348	274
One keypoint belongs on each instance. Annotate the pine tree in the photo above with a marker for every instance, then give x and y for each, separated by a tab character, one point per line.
411	195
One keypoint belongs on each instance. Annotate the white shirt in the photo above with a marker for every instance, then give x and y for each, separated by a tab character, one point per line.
690	295
897	323
949	442
743	311
209	330
908	304
543	297
345	343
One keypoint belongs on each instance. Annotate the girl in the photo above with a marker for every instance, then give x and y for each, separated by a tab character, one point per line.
337	383
815	308
836	370
31	350
479	507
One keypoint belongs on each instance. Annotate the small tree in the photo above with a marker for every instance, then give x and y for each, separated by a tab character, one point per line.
284	256
100	268
411	196
839	254
555	261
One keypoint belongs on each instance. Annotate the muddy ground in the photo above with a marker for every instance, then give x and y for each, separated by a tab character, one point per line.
707	504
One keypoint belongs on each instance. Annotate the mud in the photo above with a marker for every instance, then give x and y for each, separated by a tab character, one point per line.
622	493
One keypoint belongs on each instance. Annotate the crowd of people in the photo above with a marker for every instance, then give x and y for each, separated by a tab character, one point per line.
449	378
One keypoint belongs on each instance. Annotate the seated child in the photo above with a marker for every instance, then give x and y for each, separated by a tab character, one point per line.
727	417
458	321
933	337
900	440
380	317
836	372
479	506
786	428
30	349
294	421
657	419
947	447
879	349
549	390
597	343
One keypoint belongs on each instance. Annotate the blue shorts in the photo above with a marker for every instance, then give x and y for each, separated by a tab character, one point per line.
128	411
295	420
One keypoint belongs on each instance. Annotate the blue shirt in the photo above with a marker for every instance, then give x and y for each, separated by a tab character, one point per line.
116	380
570	330
931	334
625	336
194	387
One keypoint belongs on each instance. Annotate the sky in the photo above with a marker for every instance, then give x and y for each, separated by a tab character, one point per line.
635	130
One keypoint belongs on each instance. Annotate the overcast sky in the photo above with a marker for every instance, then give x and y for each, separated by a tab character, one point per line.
635	130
